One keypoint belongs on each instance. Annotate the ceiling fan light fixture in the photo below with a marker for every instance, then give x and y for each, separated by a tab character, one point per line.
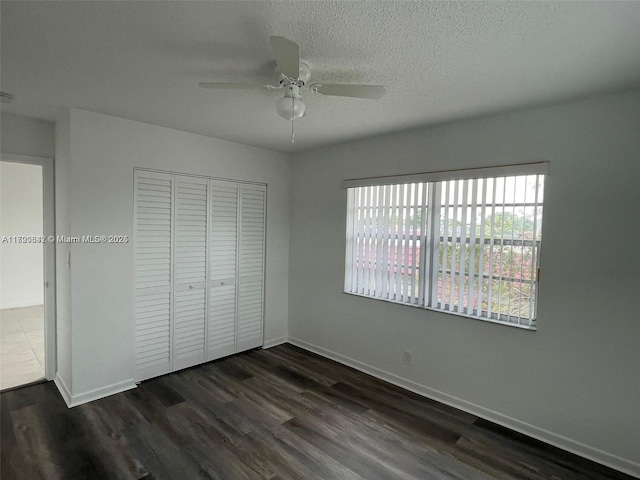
290	108
294	73
291	105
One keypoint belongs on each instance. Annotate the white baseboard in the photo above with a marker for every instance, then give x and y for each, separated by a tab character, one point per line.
560	441
91	395
63	389
274	341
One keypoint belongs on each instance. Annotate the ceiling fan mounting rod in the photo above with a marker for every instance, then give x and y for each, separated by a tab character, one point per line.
293	91
304	73
286	81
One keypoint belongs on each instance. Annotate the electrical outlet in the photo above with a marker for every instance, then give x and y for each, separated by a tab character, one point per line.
407	358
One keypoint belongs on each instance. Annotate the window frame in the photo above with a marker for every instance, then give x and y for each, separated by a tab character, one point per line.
431	237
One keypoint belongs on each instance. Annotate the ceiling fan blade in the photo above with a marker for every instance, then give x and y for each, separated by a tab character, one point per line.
242	86
287	55
358	91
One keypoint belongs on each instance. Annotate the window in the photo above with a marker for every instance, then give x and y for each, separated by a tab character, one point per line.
465	242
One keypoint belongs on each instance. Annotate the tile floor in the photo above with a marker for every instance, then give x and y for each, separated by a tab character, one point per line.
21	345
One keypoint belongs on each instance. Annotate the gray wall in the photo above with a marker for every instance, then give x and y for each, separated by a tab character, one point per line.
26	136
574	382
100	153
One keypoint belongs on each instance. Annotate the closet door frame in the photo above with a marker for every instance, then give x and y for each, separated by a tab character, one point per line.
239	184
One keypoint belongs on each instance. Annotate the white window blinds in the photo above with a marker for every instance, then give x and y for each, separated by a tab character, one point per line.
383	244
468	244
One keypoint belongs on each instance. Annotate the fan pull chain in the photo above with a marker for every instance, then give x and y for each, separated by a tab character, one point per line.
293	117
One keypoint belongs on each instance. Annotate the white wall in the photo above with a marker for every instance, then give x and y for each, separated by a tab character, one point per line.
21	264
103	152
575	382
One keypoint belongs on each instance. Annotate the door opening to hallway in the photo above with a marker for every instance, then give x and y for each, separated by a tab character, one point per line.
24	277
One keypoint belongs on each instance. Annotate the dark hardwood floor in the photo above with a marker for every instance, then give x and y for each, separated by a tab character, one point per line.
281	413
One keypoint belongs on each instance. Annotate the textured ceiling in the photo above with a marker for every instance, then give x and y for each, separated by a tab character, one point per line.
439	61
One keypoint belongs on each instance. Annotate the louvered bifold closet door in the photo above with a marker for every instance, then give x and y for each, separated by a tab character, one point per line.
251	266
152	263
190	271
223	254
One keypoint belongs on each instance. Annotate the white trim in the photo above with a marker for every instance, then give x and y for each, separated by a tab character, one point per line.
264	265
63	389
274	342
207	270
222	179
541	168
560	441
91	395
172	273
50	308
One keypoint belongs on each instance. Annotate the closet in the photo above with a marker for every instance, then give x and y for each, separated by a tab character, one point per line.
199	269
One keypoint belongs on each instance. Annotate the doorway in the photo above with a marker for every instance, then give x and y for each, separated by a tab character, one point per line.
27	248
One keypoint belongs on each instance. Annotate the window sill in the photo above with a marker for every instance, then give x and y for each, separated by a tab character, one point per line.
532	328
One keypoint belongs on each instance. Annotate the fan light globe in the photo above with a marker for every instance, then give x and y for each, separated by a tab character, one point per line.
290	108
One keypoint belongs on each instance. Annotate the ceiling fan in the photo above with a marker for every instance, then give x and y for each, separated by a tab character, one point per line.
295	74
